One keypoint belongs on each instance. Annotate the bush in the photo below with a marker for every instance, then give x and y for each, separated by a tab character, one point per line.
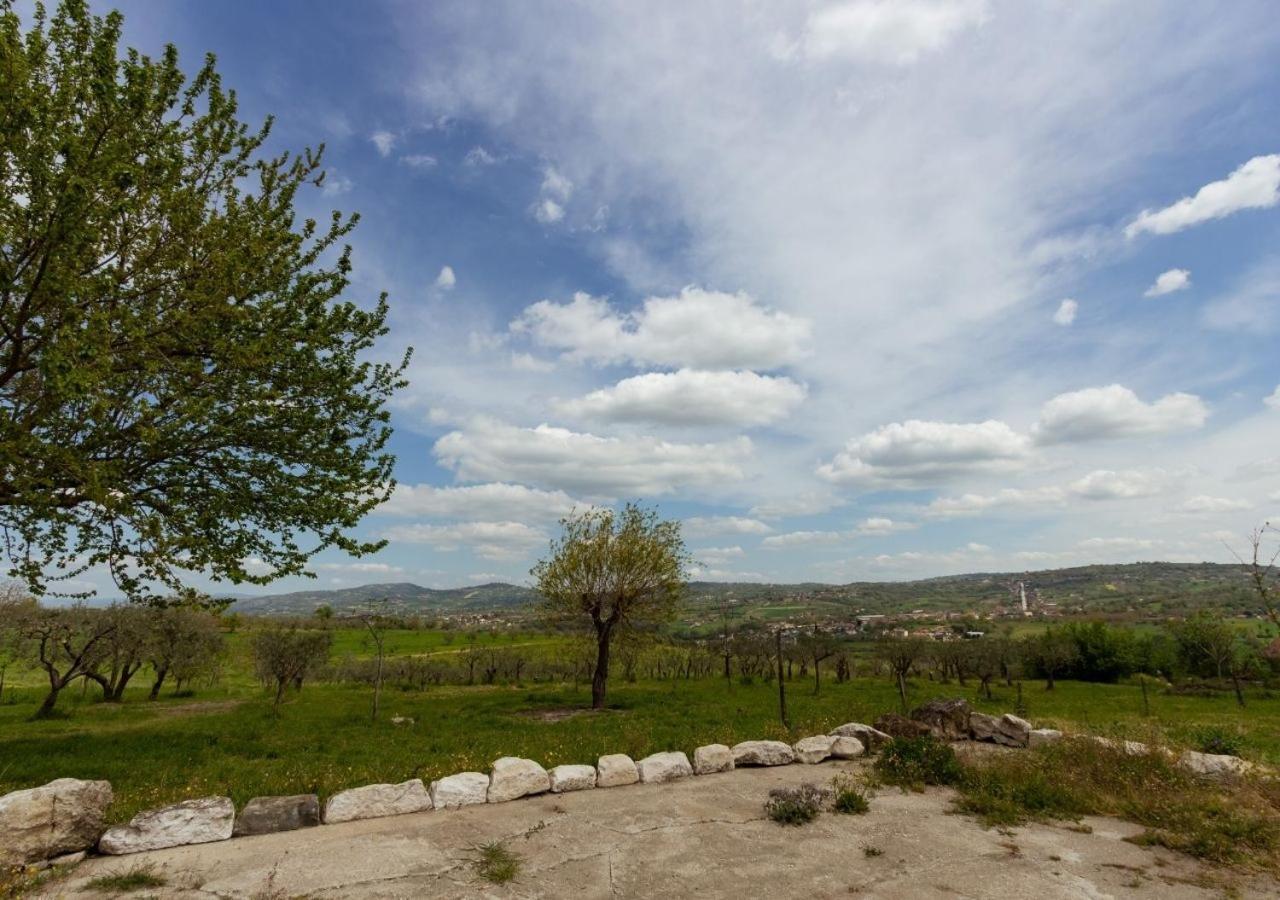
851	798
796	805
914	762
1217	739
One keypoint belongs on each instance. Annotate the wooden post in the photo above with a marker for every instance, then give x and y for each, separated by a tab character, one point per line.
782	686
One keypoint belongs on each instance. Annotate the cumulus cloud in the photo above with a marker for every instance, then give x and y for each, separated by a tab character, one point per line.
495	501
916	453
1204	504
491	540
1254	185
698	328
1008	498
803	539
707	526
718	556
691	397
1105	484
488	450
1273	399
1168	282
384	141
446	279
1115	411
478	156
548	211
1066	313
807	503
894	32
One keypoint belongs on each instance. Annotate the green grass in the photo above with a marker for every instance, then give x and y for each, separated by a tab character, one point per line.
851	797
496	863
134	879
224	740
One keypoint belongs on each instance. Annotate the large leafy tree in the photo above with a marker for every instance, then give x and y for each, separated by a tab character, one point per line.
611	572
182	386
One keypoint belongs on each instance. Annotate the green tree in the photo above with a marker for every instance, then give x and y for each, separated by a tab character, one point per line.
182	388
288	655
613	571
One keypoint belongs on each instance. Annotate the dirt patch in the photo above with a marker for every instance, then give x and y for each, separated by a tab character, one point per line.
560	714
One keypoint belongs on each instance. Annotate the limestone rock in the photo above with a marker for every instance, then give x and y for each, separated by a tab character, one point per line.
1040	736
514	777
266	815
763	753
1008	730
463	789
615	770
374	801
712	758
63	816
948	720
660	767
572	778
872	738
814	750
1214	765
847	748
897	726
189	822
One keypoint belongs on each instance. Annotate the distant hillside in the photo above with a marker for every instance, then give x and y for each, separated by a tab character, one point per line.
1154	587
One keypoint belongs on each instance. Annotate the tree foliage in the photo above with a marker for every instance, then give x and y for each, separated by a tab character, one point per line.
612	571
182	388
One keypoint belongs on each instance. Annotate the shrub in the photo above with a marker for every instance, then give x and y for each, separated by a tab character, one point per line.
914	762
497	863
1217	739
851	798
796	805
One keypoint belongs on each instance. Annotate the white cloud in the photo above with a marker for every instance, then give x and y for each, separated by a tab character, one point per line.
488	450
361	568
879	525
1066	313
525	362
491	540
556	185
804	539
384	141
1168	282
1204	504
1250	305
335	185
1105	484
807	503
691	397
1273	399
697	328
717	556
548	211
419	160
1254	185
1008	498
896	32
916	453
478	156
707	526
1118	543
1115	411
494	501
446	279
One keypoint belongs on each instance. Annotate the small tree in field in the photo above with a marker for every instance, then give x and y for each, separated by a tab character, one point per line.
284	656
68	643
185	643
613	571
1053	653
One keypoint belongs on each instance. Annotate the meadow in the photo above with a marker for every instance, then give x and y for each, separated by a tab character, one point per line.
224	739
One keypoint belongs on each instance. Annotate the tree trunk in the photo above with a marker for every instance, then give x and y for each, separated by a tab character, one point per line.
1049	681
158	683
600	680
1235	682
902	690
817	677
782	687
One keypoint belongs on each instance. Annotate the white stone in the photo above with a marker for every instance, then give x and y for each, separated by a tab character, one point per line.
763	753
1214	765
572	778
1008	729
374	801
712	758
660	767
189	822
872	738
813	750
615	770
63	816
463	789
514	777
847	748
1041	736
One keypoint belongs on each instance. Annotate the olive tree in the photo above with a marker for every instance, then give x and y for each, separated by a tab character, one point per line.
183	387
610	572
287	655
185	643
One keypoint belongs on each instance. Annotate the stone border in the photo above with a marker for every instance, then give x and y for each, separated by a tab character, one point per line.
208	819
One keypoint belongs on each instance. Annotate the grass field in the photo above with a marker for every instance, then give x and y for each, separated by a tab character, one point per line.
224	739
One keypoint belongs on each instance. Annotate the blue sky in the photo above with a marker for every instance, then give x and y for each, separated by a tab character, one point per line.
859	290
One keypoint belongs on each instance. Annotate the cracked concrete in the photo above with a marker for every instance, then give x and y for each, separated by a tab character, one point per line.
703	836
